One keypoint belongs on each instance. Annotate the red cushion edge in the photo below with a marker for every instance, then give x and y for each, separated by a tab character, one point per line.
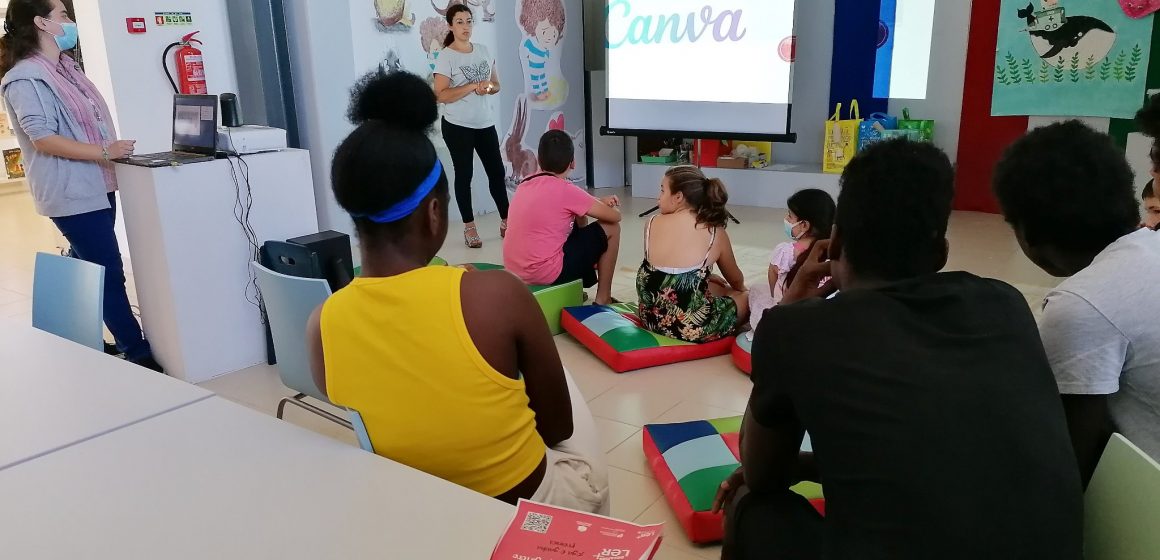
742	359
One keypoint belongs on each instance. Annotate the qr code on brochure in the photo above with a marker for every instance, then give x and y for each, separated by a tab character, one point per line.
536	522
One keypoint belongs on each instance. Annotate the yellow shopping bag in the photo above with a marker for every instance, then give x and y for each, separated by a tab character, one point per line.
841	141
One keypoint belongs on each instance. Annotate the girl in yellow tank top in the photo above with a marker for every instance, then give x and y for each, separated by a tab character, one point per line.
454	372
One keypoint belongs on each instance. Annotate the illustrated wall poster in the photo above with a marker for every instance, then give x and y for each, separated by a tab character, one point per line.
485	11
558	122
391	62
1082	58
394	15
543	23
432	32
518	159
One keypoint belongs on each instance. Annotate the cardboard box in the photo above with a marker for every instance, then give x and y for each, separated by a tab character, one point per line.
730	162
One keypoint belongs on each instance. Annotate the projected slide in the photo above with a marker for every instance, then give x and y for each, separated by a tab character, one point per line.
905	30
700	65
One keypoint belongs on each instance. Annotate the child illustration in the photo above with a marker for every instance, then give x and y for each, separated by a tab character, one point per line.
543	23
393	13
431	34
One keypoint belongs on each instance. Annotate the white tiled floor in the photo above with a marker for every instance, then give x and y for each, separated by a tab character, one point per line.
709	388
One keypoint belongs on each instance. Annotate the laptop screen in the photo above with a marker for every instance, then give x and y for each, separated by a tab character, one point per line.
195	123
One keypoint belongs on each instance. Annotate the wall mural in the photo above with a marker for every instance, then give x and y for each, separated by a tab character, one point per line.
1054	59
407	35
394	15
543	23
482	8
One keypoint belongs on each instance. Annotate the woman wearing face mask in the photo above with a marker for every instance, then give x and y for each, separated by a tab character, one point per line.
810	218
67	139
464	74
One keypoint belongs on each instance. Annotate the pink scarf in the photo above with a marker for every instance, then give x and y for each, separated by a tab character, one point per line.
75	91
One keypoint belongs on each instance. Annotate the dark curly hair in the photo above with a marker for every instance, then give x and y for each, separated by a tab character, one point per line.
816	207
893	210
1148	121
708	197
21	36
1068	186
389	154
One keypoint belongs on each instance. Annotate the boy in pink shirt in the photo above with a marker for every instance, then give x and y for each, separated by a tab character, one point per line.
549	240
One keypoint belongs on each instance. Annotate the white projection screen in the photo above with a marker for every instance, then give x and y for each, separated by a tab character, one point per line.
712	67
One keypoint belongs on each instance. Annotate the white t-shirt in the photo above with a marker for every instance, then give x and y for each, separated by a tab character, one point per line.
1101	330
473	111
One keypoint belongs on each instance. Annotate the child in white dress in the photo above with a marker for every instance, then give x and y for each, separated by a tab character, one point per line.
810	217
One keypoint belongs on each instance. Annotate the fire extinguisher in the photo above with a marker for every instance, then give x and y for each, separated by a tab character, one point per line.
190	66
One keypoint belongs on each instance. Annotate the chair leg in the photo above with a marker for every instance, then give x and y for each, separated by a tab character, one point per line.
282	403
299	401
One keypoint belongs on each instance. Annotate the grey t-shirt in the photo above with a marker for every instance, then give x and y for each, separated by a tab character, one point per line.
1101	330
473	111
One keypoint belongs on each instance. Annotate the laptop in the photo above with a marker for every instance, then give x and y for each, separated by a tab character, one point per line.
195	119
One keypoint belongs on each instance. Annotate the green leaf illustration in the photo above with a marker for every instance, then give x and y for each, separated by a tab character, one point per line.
1090	69
1106	69
1074	67
1118	66
1133	63
1001	74
1028	71
1058	74
1044	69
1013	70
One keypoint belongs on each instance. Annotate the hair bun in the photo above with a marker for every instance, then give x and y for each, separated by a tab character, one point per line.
399	99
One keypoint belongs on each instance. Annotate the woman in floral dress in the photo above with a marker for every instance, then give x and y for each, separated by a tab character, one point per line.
679	295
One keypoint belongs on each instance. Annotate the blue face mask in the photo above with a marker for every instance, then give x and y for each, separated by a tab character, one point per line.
67	41
789	229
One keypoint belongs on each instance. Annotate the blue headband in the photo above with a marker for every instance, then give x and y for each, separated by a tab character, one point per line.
407	206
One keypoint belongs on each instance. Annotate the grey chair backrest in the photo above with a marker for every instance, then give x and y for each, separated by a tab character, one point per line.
289	302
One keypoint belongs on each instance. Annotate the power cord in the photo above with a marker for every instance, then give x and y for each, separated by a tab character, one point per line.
243	205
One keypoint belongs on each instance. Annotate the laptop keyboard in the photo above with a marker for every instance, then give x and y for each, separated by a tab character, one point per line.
169	157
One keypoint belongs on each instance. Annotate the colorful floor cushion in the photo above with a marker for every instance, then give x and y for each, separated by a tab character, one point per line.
743	353
690	461
613	334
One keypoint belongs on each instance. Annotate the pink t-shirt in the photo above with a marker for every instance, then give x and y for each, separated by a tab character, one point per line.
541	217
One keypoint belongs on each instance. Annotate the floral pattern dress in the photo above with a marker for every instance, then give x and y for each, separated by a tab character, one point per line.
680	305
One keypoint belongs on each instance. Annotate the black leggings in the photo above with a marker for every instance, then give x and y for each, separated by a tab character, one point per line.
462	142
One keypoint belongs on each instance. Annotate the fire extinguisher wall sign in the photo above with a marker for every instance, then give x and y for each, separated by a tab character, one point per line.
190	66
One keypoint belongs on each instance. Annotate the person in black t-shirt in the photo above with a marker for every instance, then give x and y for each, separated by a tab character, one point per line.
936	425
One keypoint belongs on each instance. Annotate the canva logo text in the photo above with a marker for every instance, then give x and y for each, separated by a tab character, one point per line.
673	28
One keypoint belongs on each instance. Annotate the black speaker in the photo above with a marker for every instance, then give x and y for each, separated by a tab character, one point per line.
333	250
231	113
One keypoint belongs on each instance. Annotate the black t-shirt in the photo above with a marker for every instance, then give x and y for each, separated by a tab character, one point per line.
935	420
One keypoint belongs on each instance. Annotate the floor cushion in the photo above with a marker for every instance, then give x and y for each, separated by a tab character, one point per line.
613	334
690	460
743	353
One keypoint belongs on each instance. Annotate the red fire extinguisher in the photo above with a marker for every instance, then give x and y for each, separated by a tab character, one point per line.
190	66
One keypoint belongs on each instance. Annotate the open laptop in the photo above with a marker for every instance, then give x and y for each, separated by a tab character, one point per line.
195	119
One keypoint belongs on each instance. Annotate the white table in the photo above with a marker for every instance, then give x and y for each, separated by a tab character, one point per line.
217	480
55	393
191	258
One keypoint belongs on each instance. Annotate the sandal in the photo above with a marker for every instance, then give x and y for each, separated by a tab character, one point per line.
502	228
471	237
